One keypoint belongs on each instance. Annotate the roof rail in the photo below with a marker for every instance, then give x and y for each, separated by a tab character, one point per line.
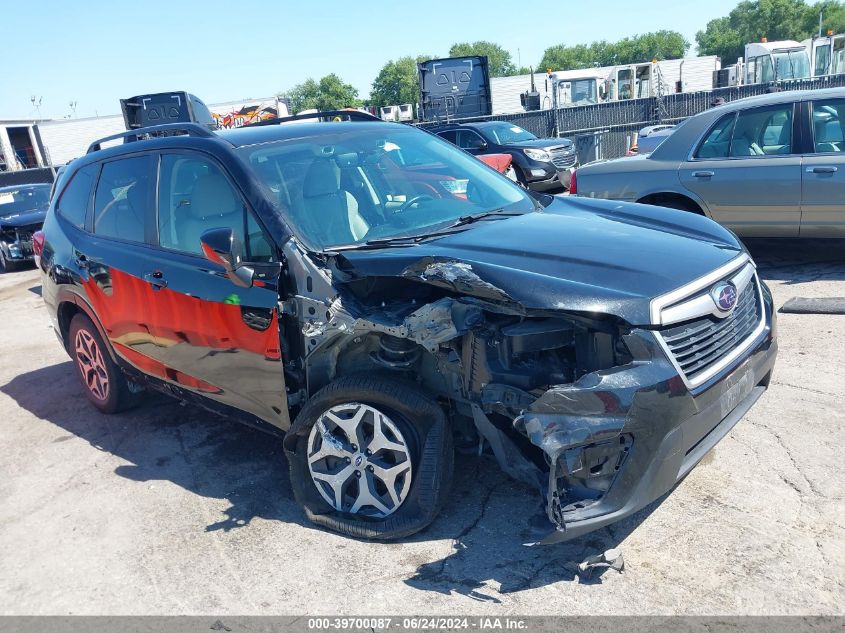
351	115
191	129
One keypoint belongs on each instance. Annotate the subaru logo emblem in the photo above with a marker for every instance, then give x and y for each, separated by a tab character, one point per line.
359	459
724	295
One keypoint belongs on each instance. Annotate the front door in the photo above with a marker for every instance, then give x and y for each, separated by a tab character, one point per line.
201	331
747	174
823	176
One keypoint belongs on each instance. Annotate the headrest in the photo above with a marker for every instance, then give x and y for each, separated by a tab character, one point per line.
212	196
322	179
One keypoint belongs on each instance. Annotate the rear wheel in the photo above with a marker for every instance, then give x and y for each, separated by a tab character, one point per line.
371	457
105	385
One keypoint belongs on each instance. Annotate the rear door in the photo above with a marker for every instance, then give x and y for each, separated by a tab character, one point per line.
748	173
823	176
113	259
202	331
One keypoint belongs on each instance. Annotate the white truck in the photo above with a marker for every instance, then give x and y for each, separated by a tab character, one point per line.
827	54
765	61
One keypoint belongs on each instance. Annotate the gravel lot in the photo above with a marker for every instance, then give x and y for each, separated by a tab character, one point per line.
170	510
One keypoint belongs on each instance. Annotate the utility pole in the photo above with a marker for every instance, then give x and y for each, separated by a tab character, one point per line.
821	16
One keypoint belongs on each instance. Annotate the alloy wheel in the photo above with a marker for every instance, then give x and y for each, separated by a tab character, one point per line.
89	357
359	460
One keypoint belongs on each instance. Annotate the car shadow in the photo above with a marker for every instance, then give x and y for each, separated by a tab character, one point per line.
490	518
798	261
487	517
165	441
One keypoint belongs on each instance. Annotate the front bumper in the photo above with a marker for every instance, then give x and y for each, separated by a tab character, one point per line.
619	439
18	250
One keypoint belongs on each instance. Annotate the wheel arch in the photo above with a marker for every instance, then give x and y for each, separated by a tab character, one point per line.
68	306
688	202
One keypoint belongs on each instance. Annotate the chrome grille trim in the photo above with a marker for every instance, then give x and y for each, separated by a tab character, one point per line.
717	340
727	271
562	158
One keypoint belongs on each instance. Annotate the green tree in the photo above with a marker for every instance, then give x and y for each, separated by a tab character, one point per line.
498	59
629	50
397	82
329	93
833	13
753	20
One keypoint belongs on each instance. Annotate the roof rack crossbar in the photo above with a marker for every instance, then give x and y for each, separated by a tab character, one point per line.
352	115
191	129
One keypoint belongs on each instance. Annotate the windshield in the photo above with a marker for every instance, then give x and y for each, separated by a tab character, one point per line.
792	64
348	184
15	201
505	133
583	91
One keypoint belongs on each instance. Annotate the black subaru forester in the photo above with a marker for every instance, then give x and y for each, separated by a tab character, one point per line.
379	296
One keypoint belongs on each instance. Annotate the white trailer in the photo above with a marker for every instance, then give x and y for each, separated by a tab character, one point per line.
606	83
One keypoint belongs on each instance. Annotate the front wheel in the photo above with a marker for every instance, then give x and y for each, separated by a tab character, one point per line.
371	457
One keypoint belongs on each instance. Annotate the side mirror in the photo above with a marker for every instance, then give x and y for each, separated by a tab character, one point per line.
223	247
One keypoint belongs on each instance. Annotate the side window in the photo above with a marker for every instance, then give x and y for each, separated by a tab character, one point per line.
822	60
717	143
120	202
467	139
828	120
763	132
74	201
195	196
449	136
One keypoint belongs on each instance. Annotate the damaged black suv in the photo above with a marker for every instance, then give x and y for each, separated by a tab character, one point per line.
380	297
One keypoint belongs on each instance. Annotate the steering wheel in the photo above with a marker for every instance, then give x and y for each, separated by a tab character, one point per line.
412	201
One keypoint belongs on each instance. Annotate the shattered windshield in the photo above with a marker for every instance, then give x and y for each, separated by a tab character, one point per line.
15	201
350	185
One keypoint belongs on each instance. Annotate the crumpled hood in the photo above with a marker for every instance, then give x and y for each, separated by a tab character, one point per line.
576	255
24	219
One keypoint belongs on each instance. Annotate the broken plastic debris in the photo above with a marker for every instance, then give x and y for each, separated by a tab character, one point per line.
612	559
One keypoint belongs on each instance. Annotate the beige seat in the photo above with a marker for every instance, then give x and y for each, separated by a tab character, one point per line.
329	212
213	205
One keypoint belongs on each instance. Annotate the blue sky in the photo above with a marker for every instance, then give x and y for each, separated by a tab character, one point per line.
96	52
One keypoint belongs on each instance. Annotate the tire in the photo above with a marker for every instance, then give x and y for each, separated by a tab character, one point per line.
103	382
7	266
417	425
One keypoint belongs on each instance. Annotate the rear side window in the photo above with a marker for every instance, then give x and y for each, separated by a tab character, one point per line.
763	132
74	201
717	143
449	136
121	199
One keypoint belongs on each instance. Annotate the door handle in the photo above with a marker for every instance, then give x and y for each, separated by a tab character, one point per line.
821	169
703	174
156	279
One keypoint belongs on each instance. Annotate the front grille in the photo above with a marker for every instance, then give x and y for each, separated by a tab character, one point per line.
699	344
562	160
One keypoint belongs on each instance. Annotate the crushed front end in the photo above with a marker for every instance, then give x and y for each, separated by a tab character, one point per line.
615	440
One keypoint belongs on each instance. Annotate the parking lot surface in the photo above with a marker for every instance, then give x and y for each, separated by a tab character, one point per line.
168	509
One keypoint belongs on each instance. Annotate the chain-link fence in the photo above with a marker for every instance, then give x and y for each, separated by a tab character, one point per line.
607	130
